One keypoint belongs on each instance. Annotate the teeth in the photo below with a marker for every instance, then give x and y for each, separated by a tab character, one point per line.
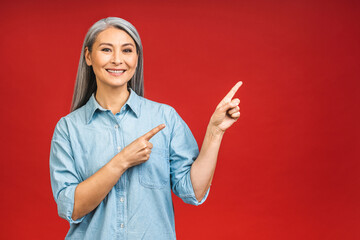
116	71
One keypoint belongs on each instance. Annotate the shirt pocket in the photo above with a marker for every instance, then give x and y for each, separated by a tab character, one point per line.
155	172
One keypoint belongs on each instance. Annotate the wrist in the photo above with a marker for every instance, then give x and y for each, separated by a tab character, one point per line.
214	131
118	164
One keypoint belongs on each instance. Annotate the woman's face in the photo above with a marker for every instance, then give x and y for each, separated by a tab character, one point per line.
113	58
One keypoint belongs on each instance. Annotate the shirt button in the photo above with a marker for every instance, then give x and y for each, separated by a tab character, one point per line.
116	126
122	199
119	148
122	225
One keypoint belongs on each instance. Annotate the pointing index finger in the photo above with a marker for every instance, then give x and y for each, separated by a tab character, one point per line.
153	131
232	92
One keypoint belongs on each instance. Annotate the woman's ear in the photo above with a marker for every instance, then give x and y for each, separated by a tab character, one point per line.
87	56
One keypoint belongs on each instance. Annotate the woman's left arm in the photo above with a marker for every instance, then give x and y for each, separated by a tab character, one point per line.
202	170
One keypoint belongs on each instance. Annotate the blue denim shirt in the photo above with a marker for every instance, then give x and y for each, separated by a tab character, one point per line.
139	206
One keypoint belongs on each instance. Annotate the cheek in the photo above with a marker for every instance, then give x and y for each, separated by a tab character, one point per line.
131	60
135	62
100	61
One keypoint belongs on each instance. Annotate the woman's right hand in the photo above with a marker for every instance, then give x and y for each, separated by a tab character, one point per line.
139	150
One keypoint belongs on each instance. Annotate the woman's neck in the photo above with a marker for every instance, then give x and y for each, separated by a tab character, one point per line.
112	98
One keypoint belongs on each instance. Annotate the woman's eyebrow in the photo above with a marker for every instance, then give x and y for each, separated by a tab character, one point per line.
123	45
127	44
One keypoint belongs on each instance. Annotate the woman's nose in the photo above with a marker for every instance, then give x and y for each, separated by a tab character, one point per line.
117	58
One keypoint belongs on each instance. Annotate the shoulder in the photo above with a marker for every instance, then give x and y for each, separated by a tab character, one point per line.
156	107
78	115
75	118
163	111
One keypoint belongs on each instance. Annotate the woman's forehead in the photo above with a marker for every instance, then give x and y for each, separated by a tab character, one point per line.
114	36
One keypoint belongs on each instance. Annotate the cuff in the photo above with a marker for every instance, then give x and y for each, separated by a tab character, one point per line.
65	204
190	198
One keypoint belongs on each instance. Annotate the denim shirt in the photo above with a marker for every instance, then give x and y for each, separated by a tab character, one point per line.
139	206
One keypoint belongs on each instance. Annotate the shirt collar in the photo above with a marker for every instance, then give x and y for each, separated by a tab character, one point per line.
92	105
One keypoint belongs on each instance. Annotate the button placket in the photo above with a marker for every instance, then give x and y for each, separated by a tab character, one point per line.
118	129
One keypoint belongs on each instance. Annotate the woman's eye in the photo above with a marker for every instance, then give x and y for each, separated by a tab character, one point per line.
106	49
127	50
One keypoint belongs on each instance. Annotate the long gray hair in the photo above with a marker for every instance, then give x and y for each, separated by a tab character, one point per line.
85	84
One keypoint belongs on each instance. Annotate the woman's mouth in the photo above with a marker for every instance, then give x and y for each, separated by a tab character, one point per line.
115	72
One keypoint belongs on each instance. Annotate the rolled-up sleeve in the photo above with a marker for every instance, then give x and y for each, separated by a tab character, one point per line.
63	174
183	152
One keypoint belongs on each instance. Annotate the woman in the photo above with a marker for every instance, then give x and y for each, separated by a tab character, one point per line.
115	158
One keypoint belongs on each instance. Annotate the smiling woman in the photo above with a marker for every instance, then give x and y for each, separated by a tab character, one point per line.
113	163
86	84
113	59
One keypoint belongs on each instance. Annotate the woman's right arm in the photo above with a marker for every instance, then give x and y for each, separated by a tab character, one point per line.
90	192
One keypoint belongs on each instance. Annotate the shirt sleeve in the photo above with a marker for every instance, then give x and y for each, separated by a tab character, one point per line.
183	152
63	174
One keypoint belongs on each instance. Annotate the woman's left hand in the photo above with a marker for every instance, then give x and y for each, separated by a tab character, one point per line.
227	111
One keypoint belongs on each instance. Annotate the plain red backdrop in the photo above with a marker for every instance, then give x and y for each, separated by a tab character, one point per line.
288	169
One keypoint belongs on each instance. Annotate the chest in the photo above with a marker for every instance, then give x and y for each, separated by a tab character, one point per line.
95	144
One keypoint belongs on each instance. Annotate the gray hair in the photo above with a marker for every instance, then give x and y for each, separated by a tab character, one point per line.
85	84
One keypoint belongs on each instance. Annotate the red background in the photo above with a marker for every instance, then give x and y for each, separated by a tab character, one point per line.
288	169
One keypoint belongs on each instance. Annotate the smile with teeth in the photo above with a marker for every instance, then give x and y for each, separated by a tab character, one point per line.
115	71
